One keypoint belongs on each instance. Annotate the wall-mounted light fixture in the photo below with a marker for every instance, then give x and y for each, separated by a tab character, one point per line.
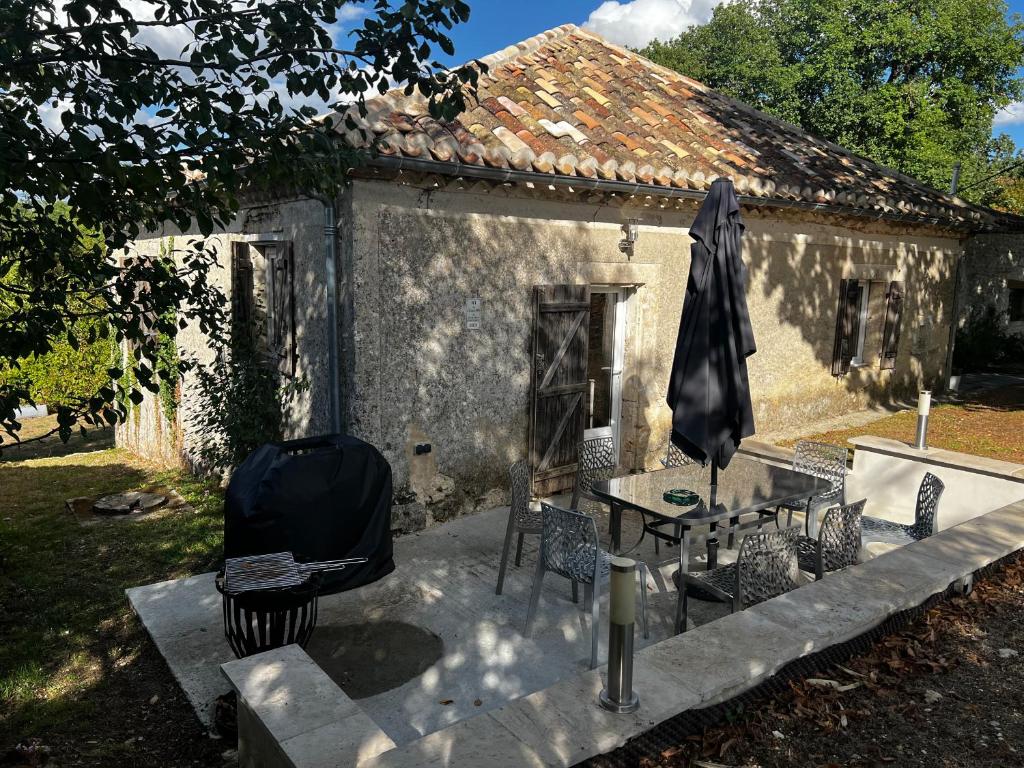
632	231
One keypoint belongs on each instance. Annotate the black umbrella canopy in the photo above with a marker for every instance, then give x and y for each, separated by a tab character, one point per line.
708	391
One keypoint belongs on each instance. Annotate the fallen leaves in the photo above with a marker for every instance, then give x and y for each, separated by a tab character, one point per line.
867	698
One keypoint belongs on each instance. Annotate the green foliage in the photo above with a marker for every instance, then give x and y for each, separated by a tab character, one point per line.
913	84
168	371
71	369
66	376
98	113
985	342
168	363
241	404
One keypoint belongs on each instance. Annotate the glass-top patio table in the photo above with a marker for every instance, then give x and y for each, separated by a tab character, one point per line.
745	486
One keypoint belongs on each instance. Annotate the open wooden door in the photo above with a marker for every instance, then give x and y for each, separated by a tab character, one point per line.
561	321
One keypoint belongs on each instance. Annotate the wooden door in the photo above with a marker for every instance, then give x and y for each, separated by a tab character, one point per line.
561	321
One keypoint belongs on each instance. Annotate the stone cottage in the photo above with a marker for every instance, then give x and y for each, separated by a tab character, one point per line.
502	285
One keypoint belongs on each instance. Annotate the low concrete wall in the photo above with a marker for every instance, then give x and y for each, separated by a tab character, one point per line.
290	713
888	473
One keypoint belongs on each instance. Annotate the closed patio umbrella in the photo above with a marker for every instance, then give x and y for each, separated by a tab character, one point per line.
708	390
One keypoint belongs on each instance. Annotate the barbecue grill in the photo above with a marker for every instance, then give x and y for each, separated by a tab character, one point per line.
321	499
271	600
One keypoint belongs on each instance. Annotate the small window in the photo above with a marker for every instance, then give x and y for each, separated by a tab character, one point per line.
862	331
1016	307
860	328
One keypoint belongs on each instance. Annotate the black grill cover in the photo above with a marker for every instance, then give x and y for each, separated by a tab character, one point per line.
321	498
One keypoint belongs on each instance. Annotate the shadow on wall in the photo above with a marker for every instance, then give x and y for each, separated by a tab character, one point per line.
466	392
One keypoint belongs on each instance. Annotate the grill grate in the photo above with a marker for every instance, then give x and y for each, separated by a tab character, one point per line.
275	571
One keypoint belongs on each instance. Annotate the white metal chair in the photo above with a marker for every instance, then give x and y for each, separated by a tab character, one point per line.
656	529
673	456
595	460
569	547
926	514
838	543
521	518
825	461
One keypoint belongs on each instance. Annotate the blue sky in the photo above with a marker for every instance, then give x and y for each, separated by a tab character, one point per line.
494	25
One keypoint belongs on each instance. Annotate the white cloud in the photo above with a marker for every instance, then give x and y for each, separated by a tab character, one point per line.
50	112
1012	114
638	22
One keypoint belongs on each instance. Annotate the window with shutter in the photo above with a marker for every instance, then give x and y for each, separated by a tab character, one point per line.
1015	305
893	321
281	306
848	325
243	321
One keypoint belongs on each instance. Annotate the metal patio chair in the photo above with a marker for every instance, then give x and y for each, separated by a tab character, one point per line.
657	528
838	542
673	456
521	518
569	547
926	514
765	568
827	462
595	460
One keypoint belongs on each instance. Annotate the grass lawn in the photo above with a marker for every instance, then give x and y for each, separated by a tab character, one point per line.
93	440
76	668
989	424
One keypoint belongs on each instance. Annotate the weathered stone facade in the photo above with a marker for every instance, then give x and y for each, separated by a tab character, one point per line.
412	372
297	221
993	265
416	374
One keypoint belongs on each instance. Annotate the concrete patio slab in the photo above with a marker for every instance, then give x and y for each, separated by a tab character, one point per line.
564	724
442	646
428	667
481	741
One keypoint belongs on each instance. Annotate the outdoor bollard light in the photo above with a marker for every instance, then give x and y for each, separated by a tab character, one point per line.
924	406
618	695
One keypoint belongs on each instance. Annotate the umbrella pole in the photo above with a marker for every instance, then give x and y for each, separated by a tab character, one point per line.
714	481
713	541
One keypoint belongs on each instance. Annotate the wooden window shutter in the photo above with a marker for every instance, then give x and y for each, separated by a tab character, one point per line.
847	327
561	323
893	322
242	295
281	330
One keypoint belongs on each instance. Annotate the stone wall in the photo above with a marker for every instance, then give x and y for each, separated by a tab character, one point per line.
416	374
992	263
413	373
301	222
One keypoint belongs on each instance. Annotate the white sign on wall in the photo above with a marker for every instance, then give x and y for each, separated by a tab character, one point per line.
474	314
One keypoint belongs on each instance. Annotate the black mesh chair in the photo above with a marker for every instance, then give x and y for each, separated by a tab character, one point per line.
838	542
766	567
926	515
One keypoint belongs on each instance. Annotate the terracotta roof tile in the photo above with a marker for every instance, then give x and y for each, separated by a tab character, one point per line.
567	102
